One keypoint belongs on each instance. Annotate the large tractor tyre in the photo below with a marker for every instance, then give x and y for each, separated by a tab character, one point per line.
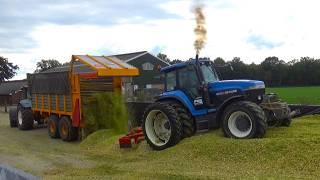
161	126
25	118
53	124
286	122
67	132
188	124
13	117
244	120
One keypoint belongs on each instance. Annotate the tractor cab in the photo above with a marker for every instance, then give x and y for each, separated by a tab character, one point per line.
192	78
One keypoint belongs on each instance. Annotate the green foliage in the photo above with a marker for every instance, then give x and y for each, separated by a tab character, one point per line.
164	57
7	69
273	71
44	65
298	95
105	111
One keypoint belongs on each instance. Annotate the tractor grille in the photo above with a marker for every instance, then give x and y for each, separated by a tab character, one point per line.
252	95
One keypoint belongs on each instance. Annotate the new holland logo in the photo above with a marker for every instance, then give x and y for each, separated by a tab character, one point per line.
226	92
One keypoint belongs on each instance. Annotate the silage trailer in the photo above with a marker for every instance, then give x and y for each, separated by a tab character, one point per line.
55	96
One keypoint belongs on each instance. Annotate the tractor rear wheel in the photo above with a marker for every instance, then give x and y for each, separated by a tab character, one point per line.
53	123
25	118
243	120
67	132
188	124
161	126
13	117
286	122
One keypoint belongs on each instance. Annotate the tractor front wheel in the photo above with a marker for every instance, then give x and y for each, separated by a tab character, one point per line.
25	118
161	126
244	120
13	117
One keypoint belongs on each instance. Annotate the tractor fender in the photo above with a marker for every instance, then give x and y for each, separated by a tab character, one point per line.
184	100
26	103
226	103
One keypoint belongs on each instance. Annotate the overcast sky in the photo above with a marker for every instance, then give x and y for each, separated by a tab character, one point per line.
31	30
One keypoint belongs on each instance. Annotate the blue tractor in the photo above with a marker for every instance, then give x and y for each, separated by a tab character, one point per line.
195	100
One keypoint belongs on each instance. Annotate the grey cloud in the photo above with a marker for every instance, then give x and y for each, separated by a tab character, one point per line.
260	42
19	17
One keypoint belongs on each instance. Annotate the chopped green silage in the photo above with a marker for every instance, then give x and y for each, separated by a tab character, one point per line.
105	111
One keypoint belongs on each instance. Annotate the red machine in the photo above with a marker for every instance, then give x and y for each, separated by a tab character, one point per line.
134	137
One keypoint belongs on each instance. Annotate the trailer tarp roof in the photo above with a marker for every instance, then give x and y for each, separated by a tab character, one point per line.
107	66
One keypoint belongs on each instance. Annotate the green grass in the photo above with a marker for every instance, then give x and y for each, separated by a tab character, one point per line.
105	111
285	153
299	95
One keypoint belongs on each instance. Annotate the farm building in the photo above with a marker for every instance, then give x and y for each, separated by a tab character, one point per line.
148	66
149	80
10	92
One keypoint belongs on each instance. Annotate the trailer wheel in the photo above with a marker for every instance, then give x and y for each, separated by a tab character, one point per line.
53	123
161	126
25	118
13	117
188	124
67	132
243	120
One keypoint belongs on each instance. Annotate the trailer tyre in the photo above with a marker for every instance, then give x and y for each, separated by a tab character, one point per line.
13	117
188	124
161	126
67	132
53	123
25	118
244	120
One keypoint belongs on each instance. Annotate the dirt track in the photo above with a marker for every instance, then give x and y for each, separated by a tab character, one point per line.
38	154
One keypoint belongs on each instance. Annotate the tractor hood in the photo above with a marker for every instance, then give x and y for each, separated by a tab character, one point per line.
242	85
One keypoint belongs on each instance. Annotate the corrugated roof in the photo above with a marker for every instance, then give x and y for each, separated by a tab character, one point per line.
78	67
81	68
128	56
8	87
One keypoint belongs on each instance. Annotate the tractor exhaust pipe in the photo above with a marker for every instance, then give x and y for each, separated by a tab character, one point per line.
197	57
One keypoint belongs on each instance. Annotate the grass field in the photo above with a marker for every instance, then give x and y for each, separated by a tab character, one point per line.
285	153
299	95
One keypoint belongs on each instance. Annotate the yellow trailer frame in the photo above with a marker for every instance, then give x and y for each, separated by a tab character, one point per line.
64	105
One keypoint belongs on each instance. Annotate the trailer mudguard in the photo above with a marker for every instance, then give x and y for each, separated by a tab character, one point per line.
26	103
183	98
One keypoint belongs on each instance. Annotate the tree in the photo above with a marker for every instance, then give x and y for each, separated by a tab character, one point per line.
175	61
7	69
44	65
164	57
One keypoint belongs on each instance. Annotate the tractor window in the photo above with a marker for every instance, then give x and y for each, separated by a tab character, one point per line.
171	81
189	82
209	74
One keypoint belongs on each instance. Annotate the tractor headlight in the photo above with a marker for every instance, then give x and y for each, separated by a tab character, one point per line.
257	86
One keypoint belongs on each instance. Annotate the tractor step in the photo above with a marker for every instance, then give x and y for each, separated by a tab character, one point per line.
202	125
134	137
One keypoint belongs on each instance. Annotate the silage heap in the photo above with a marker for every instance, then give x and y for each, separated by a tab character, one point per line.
105	111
